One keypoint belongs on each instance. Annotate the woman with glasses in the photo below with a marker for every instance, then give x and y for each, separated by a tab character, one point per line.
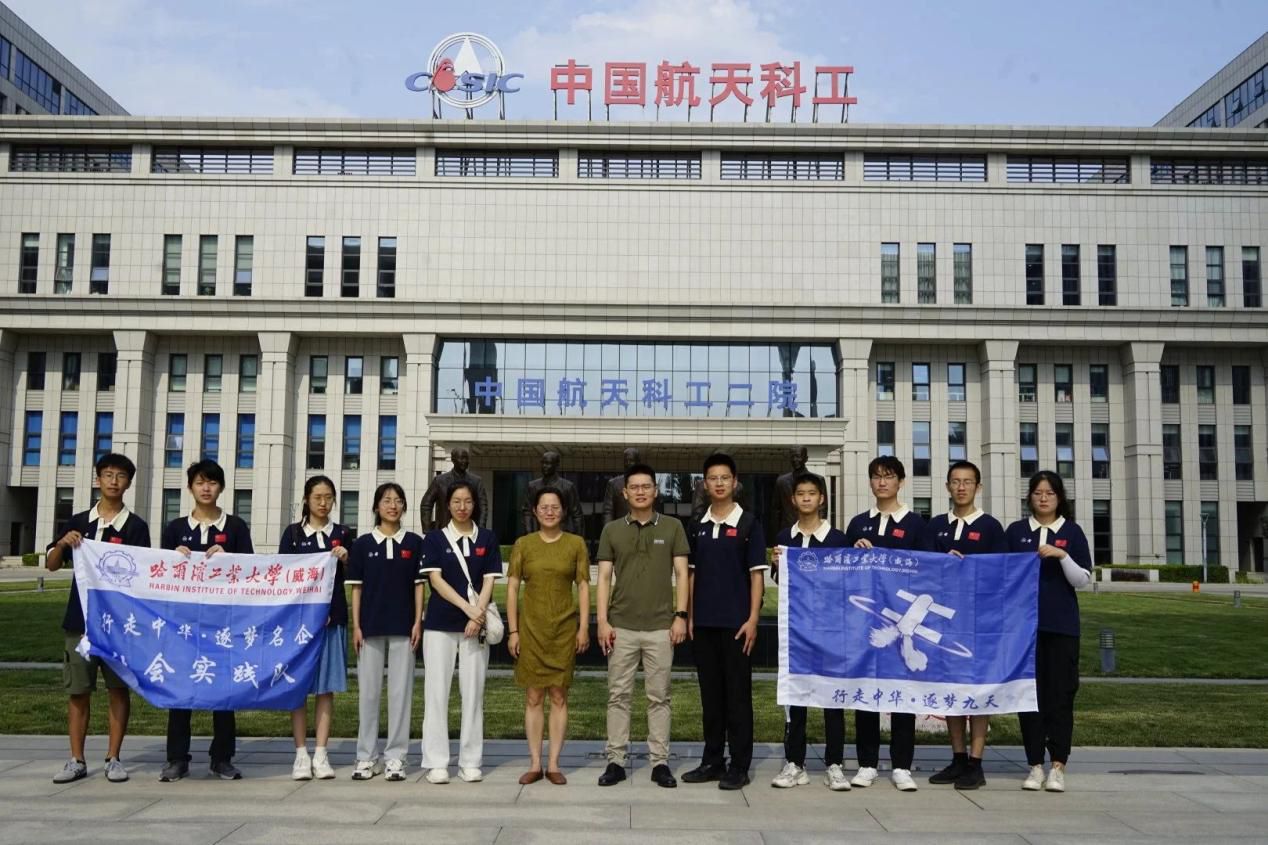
1065	563
546	629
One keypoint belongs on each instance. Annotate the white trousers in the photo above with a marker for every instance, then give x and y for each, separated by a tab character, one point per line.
440	649
375	651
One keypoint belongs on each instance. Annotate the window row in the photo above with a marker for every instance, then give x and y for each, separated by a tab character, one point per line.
1208	171
349	267
1063	439
207	269
354	374
1208	453
920	372
1069	169
67	437
1204	380
64	264
1237	105
69	158
927	273
1062	382
921	444
349	448
1072	274
1252	281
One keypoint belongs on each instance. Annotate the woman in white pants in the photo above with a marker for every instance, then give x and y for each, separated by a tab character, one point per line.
461	562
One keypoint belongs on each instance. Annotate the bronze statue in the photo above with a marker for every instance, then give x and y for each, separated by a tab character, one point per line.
784	488
436	495
573	520
614	505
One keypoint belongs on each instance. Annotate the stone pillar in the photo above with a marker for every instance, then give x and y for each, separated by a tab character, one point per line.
134	387
854	386
1145	537
272	485
1001	492
413	438
8	433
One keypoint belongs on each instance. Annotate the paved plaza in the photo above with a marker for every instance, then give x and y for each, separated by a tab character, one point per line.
1115	795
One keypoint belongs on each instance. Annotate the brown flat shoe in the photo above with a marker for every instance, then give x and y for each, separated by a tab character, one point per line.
532	776
557	778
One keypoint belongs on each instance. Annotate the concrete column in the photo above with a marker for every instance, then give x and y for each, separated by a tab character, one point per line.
413	438
1142	452
134	387
272	503
1001	492
8	433
855	389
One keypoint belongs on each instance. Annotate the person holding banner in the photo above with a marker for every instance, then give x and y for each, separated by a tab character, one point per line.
315	532
965	530
1065	562
547	630
809	493
727	572
207	529
111	522
462	561
889	524
387	611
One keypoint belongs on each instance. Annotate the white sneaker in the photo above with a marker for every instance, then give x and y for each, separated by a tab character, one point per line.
395	770
471	775
115	773
789	776
1055	781
438	776
834	778
864	777
322	770
1034	780
367	769
303	766
903	781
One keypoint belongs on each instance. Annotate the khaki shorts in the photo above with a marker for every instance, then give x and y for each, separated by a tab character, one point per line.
79	676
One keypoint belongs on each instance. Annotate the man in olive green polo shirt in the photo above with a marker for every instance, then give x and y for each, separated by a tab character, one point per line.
641	617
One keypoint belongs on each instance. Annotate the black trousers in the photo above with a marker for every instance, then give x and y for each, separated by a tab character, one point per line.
1056	682
902	738
725	674
224	735
795	736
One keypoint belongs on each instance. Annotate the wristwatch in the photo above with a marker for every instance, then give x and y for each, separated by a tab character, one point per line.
680	614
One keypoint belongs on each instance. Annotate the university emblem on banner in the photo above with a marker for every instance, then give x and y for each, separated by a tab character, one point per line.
118	568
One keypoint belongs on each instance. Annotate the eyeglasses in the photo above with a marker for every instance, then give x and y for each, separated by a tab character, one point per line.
549	509
958	483
884	476
719	479
114	476
640	488
1044	494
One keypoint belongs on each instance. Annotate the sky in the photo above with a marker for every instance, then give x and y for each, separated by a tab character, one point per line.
1114	62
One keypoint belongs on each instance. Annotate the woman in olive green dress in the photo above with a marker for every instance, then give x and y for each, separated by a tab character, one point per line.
545	629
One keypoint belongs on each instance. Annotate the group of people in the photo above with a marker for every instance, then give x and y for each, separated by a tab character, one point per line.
659	583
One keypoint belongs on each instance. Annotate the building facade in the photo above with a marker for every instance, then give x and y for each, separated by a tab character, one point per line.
1235	97
357	298
37	79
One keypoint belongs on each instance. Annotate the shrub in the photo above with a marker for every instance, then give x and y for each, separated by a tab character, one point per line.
30	559
1129	575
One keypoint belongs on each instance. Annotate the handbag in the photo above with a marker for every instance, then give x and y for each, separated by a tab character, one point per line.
494	627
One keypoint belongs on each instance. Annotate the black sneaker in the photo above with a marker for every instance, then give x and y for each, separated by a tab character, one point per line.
950	773
971	778
734	779
174	770
704	773
612	775
661	776
225	770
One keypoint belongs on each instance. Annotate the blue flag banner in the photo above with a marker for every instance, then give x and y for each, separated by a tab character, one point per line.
907	632
229	632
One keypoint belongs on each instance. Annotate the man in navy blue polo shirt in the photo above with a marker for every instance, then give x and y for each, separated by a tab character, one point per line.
965	530
727	571
889	524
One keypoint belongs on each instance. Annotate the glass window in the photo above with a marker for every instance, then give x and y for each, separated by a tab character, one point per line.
389	374
1027	383
1065	449
242	505
248	371
1208	454
926	274
1252	283
64	273
1100	450
884	380
70	371
1107	274
885	440
174	442
386	288
177	370
1215	277
63	509
1102	533
36	82
211	437
963	266
1210	515
207	246
1243	454
243	259
889	273
920	382
379	161
32	435
1175	532
107	364
1034	274
102	434
67	438
212	160
638	165
314	265
28	262
351	443
213	373
923	505
1241	385
171	265
350	283
1172	453
1179	276
957	441
99	272
770	166
1063	382
956	391
1071	280
1169	375
353	373
316	441
4	57
36	366
920	448
349	507
318	373
1206	385
171	504
245	458
387	442
1098	382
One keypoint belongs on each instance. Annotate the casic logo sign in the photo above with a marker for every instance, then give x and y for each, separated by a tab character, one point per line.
465	70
